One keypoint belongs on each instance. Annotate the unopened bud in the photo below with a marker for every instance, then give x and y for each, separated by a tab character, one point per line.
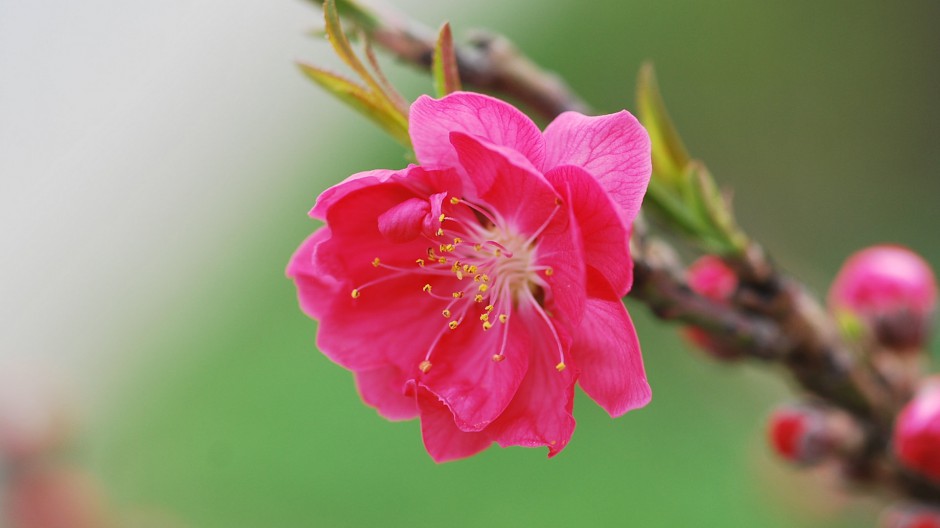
711	278
917	431
798	434
911	516
888	290
806	434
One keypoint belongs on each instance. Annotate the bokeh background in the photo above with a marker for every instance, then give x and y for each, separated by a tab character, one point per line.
157	160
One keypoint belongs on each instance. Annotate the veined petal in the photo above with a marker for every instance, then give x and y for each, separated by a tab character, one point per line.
607	351
384	389
466	378
506	182
432	120
540	413
605	236
613	148
442	439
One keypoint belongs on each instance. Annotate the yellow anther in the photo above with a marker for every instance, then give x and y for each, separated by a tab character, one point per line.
441	218
442	260
478	298
489	308
483	287
472	269
497	252
485	317
477	247
440	232
498	357
355	293
454	200
457	240
424	366
549	272
446	248
426	288
453	325
487	325
376	262
560	367
420	262
458	295
503	318
485	278
446	313
459	275
476	278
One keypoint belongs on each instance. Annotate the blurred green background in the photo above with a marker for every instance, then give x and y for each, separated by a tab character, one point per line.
159	191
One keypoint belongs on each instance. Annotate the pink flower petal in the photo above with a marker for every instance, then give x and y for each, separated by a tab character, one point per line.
353	183
387	324
613	148
605	236
442	439
607	351
540	413
312	287
465	377
564	297
384	389
432	120
507	183
405	221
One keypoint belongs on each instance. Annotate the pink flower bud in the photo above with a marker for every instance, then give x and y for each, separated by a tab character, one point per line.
891	291
798	433
911	516
917	431
710	277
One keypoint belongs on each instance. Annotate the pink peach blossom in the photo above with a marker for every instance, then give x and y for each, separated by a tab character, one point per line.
476	289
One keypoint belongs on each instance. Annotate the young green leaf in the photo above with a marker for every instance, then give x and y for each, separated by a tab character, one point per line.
444	64
360	99
669	154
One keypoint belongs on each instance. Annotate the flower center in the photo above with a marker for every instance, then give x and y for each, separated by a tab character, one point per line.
481	269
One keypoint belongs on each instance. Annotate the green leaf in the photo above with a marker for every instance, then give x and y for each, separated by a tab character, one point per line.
444	63
360	99
669	154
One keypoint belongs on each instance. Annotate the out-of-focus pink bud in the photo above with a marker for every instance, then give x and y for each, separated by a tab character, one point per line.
889	290
710	277
917	431
36	415
911	516
798	433
47	498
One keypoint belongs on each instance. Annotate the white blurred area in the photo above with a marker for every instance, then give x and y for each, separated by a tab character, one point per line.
131	135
